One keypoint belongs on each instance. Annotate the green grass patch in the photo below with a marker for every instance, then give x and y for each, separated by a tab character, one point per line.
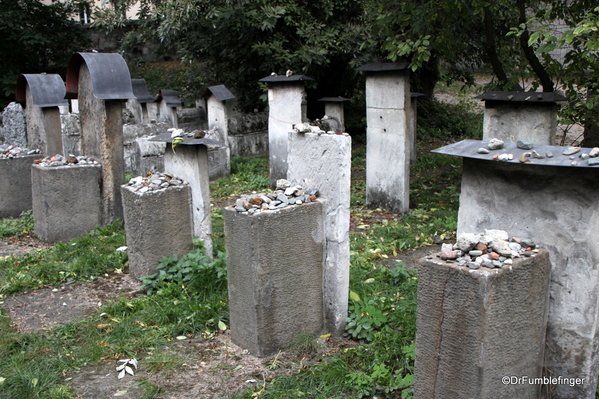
17	226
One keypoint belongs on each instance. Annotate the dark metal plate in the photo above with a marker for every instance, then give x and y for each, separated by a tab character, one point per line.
166	138
109	73
47	90
383	66
220	92
522	96
283	78
469	148
334	99
140	90
171	97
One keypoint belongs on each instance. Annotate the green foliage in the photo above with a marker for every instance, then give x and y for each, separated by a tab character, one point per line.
363	320
246	175
17	226
35	38
194	270
448	121
80	259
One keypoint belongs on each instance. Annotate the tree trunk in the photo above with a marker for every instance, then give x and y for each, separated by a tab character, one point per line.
490	47
529	53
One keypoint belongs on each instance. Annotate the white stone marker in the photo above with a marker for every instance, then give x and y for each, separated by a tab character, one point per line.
333	109
41	95
168	105
101	82
525	116
286	97
219	108
388	130
323	161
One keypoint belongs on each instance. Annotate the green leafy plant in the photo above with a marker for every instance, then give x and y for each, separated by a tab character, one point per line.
364	319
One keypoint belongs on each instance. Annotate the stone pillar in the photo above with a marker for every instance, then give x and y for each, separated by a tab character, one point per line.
275	286
190	163
13	125
525	116
219	108
388	145
15	180
157	223
66	201
333	109
168	104
285	102
556	206
324	162
41	95
100	98
476	327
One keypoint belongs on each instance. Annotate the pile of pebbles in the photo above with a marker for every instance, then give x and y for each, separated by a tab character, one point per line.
284	195
154	182
592	157
8	151
315	128
69	160
491	249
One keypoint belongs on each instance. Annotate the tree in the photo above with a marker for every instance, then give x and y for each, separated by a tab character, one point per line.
35	38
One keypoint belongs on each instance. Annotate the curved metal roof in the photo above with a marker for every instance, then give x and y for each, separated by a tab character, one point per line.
47	90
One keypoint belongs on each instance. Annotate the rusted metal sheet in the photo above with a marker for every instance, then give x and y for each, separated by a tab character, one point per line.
383	67
334	99
522	96
549	155
283	78
109	74
188	139
47	90
171	98
220	92
140	90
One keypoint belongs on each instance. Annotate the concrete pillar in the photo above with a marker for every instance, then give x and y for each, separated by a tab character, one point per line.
219	107
168	105
138	105
286	96
275	286
554	203
157	223
476	327
13	125
388	145
324	162
190	163
66	201
333	108
525	116
41	95
15	180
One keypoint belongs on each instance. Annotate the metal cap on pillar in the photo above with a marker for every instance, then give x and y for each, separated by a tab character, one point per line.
140	90
47	90
220	92
170	97
109	74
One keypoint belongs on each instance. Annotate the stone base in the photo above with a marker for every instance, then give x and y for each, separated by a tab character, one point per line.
66	201
476	327
15	180
157	224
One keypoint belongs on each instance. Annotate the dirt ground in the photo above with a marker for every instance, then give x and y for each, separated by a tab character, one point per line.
209	368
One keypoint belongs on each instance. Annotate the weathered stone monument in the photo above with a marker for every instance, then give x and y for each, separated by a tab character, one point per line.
333	109
478	329
168	105
219	108
275	286
388	136
41	95
13	125
15	180
286	103
167	232
552	197
139	104
188	160
323	161
101	82
518	115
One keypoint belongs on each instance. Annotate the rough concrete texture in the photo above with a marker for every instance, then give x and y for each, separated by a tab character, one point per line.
66	201
168	114
335	110
15	180
275	285
219	158
102	139
476	326
190	119
157	224
248	134
190	163
43	127
324	162
71	134
141	155
13	125
556	207
285	110
534	123
388	144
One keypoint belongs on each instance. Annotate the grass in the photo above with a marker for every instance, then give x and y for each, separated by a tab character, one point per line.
189	298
